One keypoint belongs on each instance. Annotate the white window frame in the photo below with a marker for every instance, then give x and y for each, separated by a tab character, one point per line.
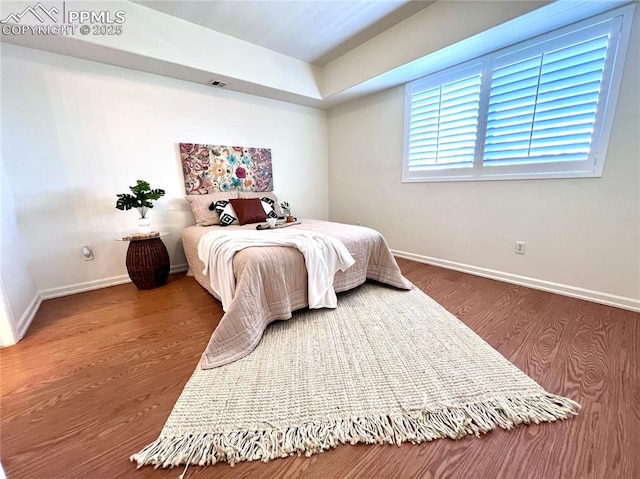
617	22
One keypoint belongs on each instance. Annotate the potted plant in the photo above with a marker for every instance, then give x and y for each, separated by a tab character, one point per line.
286	211
140	198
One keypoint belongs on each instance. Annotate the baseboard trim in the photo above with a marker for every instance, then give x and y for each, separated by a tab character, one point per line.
557	288
179	268
98	284
83	287
25	320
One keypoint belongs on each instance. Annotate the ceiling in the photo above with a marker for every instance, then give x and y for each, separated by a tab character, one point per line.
314	31
265	48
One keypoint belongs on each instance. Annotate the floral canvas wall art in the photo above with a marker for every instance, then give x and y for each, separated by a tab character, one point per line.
211	168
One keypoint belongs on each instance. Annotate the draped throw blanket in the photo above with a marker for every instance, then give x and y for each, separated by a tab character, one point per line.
323	255
271	281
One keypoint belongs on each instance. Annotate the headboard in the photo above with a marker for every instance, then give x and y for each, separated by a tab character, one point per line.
211	168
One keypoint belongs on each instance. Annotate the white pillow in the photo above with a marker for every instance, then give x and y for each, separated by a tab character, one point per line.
203	206
269	207
226	212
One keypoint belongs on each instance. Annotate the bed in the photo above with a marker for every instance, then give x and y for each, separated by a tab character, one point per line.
271	282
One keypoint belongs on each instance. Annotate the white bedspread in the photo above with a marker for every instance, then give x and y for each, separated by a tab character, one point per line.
324	255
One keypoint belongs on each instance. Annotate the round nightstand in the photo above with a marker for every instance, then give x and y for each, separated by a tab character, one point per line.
147	260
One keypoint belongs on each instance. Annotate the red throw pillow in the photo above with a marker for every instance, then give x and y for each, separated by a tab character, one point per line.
249	210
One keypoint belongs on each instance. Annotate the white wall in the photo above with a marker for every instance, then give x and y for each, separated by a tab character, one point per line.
75	133
582	235
19	296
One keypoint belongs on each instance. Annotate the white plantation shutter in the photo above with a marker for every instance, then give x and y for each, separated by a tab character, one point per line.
443	124
539	109
543	108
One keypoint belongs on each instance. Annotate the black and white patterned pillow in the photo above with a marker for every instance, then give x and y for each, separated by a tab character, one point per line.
269	207
225	212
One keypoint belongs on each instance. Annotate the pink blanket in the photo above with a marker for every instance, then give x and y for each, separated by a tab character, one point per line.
271	282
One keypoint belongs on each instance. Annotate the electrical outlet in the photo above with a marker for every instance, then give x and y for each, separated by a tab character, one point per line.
520	247
87	253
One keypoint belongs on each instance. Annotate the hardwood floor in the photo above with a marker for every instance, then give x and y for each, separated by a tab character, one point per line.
97	374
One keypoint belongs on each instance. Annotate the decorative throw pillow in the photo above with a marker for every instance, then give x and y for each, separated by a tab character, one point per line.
261	195
248	211
226	212
269	207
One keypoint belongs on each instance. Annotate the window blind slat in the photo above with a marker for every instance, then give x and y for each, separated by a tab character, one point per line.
568	75
564	107
503	126
509	99
565	157
570	91
501	75
598	42
515	113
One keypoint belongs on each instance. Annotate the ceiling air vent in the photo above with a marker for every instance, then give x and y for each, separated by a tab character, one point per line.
218	83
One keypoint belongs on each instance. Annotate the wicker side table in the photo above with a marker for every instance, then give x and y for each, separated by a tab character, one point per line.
148	261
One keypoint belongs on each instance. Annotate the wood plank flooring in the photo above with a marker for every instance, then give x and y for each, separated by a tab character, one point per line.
97	374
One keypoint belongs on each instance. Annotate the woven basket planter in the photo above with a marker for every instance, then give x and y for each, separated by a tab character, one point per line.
148	263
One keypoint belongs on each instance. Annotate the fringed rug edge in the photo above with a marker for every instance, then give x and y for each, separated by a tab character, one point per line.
452	422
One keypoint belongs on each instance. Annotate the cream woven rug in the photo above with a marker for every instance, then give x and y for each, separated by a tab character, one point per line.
386	366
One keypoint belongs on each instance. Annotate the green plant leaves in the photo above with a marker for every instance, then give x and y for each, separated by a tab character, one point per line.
142	197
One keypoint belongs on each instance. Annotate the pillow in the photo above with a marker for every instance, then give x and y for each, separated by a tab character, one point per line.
269	207
263	195
226	212
200	206
249	210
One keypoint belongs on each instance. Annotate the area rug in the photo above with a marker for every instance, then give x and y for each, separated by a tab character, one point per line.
387	366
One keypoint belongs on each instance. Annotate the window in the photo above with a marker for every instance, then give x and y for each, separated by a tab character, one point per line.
539	109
